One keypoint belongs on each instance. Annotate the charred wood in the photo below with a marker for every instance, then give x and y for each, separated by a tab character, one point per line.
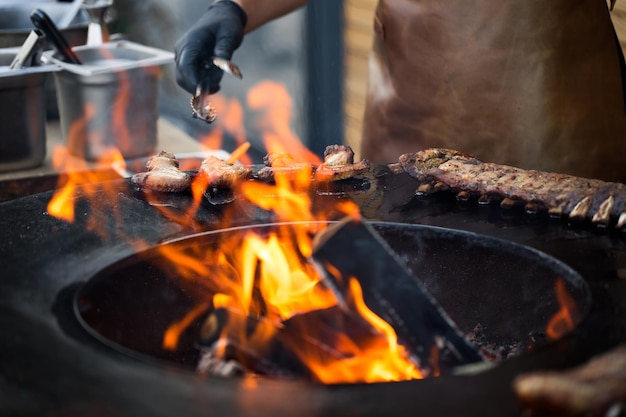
391	291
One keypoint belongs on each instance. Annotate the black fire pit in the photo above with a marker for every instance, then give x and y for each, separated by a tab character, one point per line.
505	289
51	365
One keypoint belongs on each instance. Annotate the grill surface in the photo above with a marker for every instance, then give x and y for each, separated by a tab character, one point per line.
51	365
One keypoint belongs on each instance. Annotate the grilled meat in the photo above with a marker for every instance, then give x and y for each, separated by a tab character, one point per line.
221	174
603	203
339	164
280	163
163	174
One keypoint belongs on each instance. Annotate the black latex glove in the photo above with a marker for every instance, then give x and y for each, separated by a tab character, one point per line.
218	32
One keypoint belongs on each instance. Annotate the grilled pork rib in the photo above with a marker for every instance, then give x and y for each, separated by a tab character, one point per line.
604	203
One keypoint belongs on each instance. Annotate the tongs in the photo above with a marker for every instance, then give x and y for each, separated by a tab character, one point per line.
200	104
43	22
28	54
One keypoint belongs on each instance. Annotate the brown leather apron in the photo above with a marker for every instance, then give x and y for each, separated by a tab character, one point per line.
531	83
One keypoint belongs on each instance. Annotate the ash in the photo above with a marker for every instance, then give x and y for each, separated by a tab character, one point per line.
497	350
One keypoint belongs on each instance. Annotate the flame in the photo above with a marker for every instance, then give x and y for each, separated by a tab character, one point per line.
229	122
273	102
77	172
563	320
173	332
267	277
381	359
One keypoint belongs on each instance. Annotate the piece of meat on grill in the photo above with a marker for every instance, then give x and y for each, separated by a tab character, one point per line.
221	174
603	203
339	164
163	174
281	163
591	389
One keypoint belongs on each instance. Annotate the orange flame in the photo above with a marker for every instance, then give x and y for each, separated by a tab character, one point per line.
173	332
230	121
269	276
563	320
77	172
273	101
262	276
380	360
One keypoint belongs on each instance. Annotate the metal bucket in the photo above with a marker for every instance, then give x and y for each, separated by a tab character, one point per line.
22	113
111	101
15	25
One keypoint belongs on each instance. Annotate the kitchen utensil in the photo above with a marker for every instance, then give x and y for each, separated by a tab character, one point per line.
43	22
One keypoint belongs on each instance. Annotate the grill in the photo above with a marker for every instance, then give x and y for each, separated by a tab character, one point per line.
52	363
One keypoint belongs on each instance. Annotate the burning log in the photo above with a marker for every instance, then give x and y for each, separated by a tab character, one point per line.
603	203
353	249
590	389
163	174
307	345
233	344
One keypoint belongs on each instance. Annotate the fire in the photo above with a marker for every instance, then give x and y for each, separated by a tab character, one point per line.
270	278
78	173
564	320
381	359
267	278
231	122
273	101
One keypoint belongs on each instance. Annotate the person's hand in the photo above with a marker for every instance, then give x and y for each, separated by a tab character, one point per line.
218	32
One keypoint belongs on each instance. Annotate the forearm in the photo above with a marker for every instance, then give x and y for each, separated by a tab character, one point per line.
262	11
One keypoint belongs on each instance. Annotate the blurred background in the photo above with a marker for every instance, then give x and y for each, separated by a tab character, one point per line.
309	67
312	65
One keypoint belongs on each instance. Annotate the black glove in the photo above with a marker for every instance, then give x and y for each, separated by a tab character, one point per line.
217	33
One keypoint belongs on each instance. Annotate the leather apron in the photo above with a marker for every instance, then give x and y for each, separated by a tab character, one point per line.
531	83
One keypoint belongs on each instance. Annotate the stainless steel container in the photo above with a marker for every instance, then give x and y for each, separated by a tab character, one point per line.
111	101
22	113
15	25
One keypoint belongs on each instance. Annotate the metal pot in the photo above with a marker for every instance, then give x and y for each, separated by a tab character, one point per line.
15	25
22	113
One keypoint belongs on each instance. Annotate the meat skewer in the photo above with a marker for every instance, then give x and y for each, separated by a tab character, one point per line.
603	203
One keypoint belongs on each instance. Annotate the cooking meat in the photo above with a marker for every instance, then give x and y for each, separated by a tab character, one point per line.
221	174
603	203
339	164
163	174
281	163
590	389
